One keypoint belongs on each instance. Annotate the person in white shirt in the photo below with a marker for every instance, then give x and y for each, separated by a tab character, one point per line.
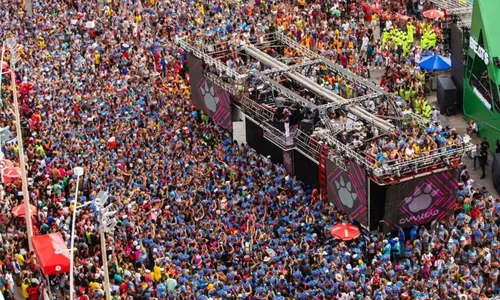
409	152
435	114
388	25
364	43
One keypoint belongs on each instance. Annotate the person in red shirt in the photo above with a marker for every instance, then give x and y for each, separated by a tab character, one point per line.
343	60
123	288
475	213
34	292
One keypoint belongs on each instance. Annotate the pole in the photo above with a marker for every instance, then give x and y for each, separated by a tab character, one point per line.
104	259
72	244
1	73
26	196
369	201
28	7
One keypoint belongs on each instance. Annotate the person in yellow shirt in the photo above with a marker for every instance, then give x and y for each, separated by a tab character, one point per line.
24	288
109	13
94	286
299	24
41	43
97	59
20	260
374	20
138	18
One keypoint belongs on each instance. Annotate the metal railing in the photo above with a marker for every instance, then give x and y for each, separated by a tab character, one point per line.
230	87
308	146
295	45
255	110
278	137
206	58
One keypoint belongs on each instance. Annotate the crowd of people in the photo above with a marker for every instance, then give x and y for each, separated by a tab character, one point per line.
200	215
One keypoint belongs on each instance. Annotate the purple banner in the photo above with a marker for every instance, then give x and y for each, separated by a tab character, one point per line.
421	201
347	190
207	96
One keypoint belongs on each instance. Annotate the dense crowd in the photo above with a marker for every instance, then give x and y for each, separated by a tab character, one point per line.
200	216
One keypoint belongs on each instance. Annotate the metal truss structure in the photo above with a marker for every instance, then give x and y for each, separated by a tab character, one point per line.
231	87
460	8
317	89
454	6
222	68
255	110
292	68
351	101
285	92
339	153
370	87
295	45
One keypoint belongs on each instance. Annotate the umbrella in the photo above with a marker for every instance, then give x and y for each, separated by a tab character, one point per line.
11	174
345	232
433	14
6	135
5	163
435	63
52	253
19	211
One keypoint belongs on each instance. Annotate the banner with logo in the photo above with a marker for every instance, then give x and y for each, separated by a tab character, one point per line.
347	190
421	200
207	96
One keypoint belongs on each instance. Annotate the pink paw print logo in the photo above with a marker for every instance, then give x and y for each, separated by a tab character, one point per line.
421	198
209	97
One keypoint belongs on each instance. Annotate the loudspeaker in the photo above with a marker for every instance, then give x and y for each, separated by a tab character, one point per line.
306	125
447	95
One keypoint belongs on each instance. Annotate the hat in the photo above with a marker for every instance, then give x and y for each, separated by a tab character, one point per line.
267	258
339	277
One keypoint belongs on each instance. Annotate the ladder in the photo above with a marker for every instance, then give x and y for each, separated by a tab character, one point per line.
323	157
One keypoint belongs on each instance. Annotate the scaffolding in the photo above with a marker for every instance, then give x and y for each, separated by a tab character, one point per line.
231	87
285	92
459	8
206	58
292	68
310	146
352	101
317	89
255	110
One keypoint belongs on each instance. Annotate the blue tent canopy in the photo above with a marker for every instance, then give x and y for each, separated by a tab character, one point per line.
435	63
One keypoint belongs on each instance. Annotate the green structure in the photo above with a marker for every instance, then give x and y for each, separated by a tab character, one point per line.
482	72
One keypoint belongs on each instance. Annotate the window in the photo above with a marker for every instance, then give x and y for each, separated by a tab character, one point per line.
480	81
